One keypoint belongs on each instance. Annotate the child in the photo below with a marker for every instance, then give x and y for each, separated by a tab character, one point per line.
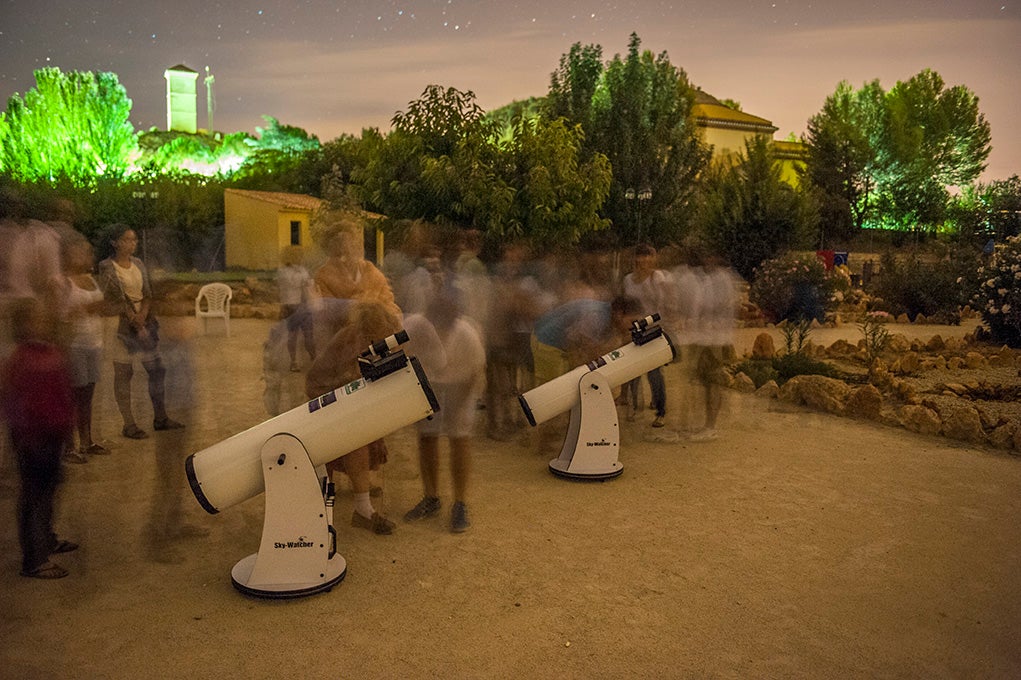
35	393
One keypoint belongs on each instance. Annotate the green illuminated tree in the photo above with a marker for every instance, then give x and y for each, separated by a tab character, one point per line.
750	214
843	140
890	157
70	125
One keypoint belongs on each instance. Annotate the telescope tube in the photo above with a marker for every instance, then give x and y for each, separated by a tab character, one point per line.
328	427
630	361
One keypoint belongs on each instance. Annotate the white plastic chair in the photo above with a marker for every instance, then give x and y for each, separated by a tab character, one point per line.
217	297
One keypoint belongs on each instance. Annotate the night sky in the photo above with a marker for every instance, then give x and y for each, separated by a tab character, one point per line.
336	67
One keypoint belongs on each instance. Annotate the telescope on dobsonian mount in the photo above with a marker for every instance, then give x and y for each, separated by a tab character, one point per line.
592	445
298	553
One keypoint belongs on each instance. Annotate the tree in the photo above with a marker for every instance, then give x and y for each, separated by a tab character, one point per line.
438	163
890	157
842	160
557	194
988	211
640	117
74	125
934	137
749	213
573	86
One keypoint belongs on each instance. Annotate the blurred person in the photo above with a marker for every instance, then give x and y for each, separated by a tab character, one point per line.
347	275
293	283
337	365
515	302
167	524
127	289
717	312
574	332
451	352
325	316
38	406
83	303
652	288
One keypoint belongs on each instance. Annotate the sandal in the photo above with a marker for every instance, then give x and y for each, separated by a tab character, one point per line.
133	432
98	450
46	570
63	546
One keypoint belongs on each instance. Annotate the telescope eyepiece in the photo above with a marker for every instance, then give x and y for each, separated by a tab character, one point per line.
381	348
642	324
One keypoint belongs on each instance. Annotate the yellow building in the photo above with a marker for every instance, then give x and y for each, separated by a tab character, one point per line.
726	130
258	225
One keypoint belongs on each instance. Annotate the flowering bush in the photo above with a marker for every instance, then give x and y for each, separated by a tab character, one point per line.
797	286
999	294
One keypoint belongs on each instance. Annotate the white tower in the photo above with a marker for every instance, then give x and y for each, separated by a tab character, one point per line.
182	100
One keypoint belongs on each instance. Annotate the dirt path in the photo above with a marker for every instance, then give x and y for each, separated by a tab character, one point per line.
795	545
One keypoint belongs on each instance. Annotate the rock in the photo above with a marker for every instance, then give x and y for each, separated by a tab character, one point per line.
864	402
763	348
743	383
955	364
963	423
904	391
841	347
903	318
906	364
920	318
1017	441
898	342
920	419
816	391
770	390
956	388
1000	361
974	360
1003	436
935	343
953	344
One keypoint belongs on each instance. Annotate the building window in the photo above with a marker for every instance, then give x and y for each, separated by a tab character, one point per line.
295	233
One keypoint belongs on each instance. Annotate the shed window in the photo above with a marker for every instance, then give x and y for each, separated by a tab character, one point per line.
295	233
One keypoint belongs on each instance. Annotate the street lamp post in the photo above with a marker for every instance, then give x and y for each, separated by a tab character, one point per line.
147	199
642	195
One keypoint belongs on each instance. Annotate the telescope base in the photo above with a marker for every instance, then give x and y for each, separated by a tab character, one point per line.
561	468
240	575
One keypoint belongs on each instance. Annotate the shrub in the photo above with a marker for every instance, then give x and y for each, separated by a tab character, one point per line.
876	336
761	371
796	287
999	294
916	286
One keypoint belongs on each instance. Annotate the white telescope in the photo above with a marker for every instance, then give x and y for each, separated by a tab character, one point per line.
297	555
592	445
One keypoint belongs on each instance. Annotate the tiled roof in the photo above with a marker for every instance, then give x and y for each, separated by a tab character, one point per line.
709	112
181	67
284	200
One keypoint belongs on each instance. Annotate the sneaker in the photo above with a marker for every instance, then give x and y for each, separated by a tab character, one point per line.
427	507
166	424
377	524
133	432
63	546
459	518
658	422
663	437
46	570
97	450
74	457
705	436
